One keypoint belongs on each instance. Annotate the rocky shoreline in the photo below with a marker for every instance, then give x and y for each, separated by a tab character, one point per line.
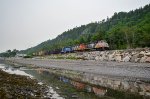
140	55
20	87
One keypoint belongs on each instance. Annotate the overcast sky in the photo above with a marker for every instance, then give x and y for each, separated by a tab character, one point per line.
26	23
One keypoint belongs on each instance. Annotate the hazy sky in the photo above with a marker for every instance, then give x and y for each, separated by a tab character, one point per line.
26	23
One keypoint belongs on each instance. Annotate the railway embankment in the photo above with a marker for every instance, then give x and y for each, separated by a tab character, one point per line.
140	55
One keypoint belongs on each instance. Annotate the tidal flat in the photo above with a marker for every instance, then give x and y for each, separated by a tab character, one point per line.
14	86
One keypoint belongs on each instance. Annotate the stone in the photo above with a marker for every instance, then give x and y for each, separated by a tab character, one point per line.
118	58
147	88
142	53
111	57
137	60
105	57
147	60
125	85
133	58
134	89
126	59
147	54
133	53
109	83
116	84
99	91
142	93
143	59
147	93
101	58
97	58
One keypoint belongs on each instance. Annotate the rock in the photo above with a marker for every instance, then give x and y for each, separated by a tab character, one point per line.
141	54
125	85
101	58
137	60
134	89
118	58
133	53
143	59
116	84
105	57
98	91
147	93
147	54
147	60
126	59
97	58
133	58
111	57
142	93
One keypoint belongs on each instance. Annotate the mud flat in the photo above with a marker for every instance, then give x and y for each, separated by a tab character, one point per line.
20	87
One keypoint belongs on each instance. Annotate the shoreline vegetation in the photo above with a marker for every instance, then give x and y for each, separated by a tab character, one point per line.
20	87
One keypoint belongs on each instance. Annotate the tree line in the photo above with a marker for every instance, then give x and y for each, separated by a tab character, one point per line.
122	31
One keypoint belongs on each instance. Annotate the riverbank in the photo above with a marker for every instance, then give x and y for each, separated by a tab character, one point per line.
125	77
20	87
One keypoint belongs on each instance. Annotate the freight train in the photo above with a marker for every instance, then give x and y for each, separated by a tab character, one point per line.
95	46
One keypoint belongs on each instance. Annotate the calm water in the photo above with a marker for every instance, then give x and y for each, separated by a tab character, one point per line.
58	88
64	88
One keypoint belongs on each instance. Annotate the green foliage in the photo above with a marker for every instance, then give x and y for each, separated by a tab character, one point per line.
123	30
9	53
28	56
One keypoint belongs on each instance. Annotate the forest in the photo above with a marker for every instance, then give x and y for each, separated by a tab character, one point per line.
124	30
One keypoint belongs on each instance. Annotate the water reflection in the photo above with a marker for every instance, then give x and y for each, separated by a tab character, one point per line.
64	89
61	87
9	69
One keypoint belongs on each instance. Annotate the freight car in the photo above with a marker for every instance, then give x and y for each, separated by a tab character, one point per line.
94	46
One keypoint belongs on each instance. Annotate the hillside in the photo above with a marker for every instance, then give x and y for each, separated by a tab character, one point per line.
123	30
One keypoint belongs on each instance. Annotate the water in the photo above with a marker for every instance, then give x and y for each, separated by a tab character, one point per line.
64	88
18	71
58	89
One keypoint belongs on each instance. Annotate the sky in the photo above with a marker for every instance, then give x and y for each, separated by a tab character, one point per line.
27	23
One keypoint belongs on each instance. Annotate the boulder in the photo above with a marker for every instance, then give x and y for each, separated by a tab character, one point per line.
101	58
126	59
105	57
137	60
147	93
147	54
111	57
118	58
133	58
97	58
147	60
141	54
125	85
143	59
